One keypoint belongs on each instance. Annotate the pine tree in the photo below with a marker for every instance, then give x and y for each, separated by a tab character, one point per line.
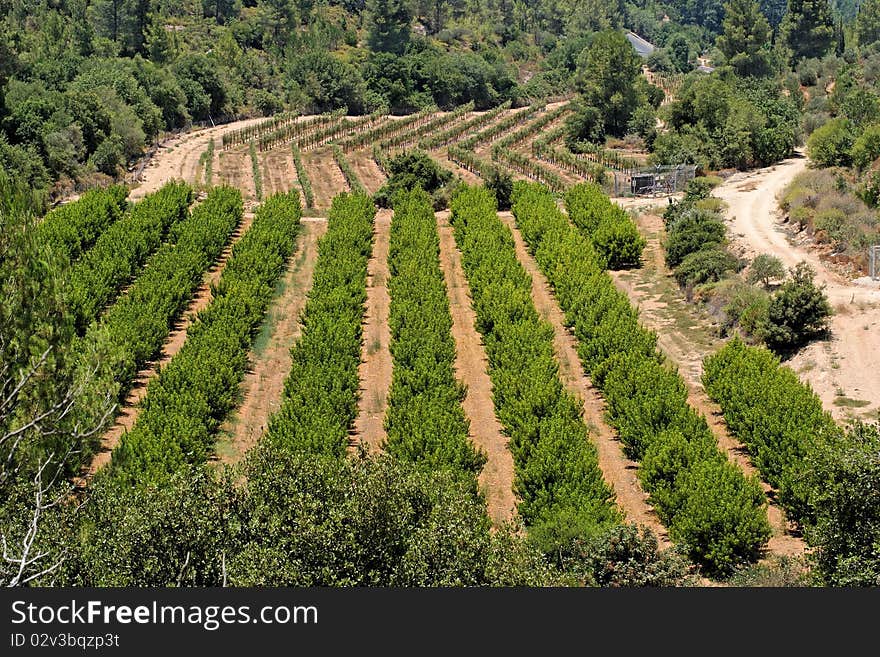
389	23
746	34
808	28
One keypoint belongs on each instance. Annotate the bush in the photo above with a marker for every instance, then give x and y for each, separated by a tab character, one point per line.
704	266
798	312
410	170
625	556
866	148
692	232
765	268
500	183
830	145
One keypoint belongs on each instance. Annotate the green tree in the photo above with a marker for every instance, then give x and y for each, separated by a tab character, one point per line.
680	53
866	149
607	73
388	25
808	28
765	268
798	312
844	473
867	25
830	145
746	37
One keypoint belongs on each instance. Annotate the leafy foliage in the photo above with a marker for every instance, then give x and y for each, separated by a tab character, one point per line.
612	231
562	492
708	504
186	403
798	312
425	422
121	250
321	391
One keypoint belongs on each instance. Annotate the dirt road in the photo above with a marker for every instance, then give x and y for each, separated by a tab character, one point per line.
471	362
375	370
179	157
841	370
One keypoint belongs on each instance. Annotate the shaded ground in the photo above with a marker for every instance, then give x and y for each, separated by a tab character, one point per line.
375	368
486	432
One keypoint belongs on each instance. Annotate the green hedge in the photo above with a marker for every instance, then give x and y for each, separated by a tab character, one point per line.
425	422
121	250
561	489
321	392
187	402
707	503
608	226
73	228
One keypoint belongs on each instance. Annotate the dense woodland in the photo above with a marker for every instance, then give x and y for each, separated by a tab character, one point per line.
86	88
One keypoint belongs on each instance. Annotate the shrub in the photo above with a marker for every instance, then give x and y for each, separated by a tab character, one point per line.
692	232
704	266
798	312
830	145
866	148
765	268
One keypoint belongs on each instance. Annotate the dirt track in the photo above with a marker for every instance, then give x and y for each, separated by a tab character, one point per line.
843	370
496	478
374	372
179	157
270	358
619	471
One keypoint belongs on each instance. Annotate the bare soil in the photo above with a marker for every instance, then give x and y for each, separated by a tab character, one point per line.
130	409
270	358
178	158
278	171
486	432
619	472
374	372
367	171
325	175
841	370
684	338
236	170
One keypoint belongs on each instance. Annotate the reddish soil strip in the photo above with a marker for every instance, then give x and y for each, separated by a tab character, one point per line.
374	372
325	175
486	432
619	472
270	359
663	310
130	409
278	171
366	170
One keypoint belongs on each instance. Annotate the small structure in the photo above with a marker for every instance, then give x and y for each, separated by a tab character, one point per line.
874	262
642	46
658	180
